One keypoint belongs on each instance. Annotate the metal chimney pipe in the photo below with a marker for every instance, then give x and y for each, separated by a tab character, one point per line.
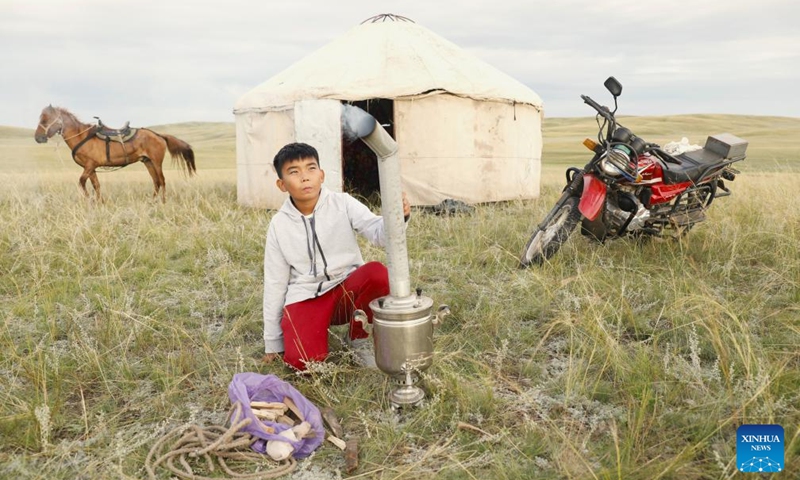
364	125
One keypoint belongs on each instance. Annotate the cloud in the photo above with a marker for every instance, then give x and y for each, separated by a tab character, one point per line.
156	62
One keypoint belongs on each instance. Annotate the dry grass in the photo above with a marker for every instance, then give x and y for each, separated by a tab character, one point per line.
626	360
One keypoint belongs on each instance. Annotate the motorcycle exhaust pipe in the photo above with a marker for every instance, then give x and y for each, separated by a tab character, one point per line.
402	324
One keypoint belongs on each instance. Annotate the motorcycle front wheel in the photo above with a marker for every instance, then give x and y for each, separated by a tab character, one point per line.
547	239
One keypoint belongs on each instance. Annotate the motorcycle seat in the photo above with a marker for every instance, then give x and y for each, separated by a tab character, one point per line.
694	166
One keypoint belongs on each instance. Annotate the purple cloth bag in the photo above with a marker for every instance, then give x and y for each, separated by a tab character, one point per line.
251	387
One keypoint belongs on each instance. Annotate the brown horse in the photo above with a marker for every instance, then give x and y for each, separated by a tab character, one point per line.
91	152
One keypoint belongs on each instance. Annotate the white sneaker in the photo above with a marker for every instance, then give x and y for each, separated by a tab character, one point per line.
364	350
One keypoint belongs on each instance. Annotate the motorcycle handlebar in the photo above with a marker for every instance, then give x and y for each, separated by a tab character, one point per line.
652	147
600	109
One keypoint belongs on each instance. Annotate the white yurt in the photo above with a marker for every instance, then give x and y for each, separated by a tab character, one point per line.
465	130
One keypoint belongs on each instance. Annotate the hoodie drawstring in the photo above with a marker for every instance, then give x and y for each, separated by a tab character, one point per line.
312	247
319	247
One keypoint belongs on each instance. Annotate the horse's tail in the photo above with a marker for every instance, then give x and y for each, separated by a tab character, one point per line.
180	150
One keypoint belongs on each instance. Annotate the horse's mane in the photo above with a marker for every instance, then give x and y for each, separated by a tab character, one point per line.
66	113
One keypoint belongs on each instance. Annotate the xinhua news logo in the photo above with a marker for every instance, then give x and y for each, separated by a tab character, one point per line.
759	448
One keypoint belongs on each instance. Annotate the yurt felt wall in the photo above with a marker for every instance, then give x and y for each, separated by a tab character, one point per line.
468	150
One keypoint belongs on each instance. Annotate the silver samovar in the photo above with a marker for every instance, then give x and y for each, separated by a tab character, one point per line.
402	324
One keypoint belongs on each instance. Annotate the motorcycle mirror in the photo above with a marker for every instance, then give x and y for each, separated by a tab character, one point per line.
613	86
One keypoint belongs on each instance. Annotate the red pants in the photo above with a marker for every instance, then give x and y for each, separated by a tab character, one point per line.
305	324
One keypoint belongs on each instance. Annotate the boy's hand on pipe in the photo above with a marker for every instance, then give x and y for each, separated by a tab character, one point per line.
406	207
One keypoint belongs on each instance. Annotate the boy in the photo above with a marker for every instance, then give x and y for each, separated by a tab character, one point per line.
314	275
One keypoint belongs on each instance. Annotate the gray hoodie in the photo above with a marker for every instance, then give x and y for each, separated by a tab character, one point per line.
305	257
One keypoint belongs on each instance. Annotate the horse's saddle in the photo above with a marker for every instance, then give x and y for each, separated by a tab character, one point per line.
108	135
121	135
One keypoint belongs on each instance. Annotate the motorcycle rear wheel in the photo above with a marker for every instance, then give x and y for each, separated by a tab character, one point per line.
548	238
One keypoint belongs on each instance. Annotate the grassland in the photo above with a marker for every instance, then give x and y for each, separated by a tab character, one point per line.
626	360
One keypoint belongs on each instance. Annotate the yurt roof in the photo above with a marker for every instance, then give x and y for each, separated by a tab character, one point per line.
386	59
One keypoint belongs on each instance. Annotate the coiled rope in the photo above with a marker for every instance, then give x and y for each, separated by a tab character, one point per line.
214	443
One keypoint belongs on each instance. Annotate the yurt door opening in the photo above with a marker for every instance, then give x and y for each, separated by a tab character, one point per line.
359	164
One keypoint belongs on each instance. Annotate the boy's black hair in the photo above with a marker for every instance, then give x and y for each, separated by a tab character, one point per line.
293	152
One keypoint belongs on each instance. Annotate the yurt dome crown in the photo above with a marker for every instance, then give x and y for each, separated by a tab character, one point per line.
387	17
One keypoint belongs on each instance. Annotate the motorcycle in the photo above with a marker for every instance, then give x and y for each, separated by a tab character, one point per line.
634	187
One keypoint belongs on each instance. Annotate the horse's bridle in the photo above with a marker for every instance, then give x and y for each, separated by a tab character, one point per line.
60	130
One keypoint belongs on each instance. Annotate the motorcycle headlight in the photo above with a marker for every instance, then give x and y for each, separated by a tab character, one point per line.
619	162
608	168
616	161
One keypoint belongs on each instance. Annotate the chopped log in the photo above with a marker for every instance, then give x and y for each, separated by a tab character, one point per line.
351	455
293	408
329	416
269	406
270	415
286	420
337	441
266	428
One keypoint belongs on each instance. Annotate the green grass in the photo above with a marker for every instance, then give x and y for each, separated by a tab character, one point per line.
629	360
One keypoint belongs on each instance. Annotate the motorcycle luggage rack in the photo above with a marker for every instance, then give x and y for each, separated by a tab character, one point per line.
720	166
708	170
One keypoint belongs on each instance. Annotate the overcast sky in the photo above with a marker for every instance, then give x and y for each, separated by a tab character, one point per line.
155	62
